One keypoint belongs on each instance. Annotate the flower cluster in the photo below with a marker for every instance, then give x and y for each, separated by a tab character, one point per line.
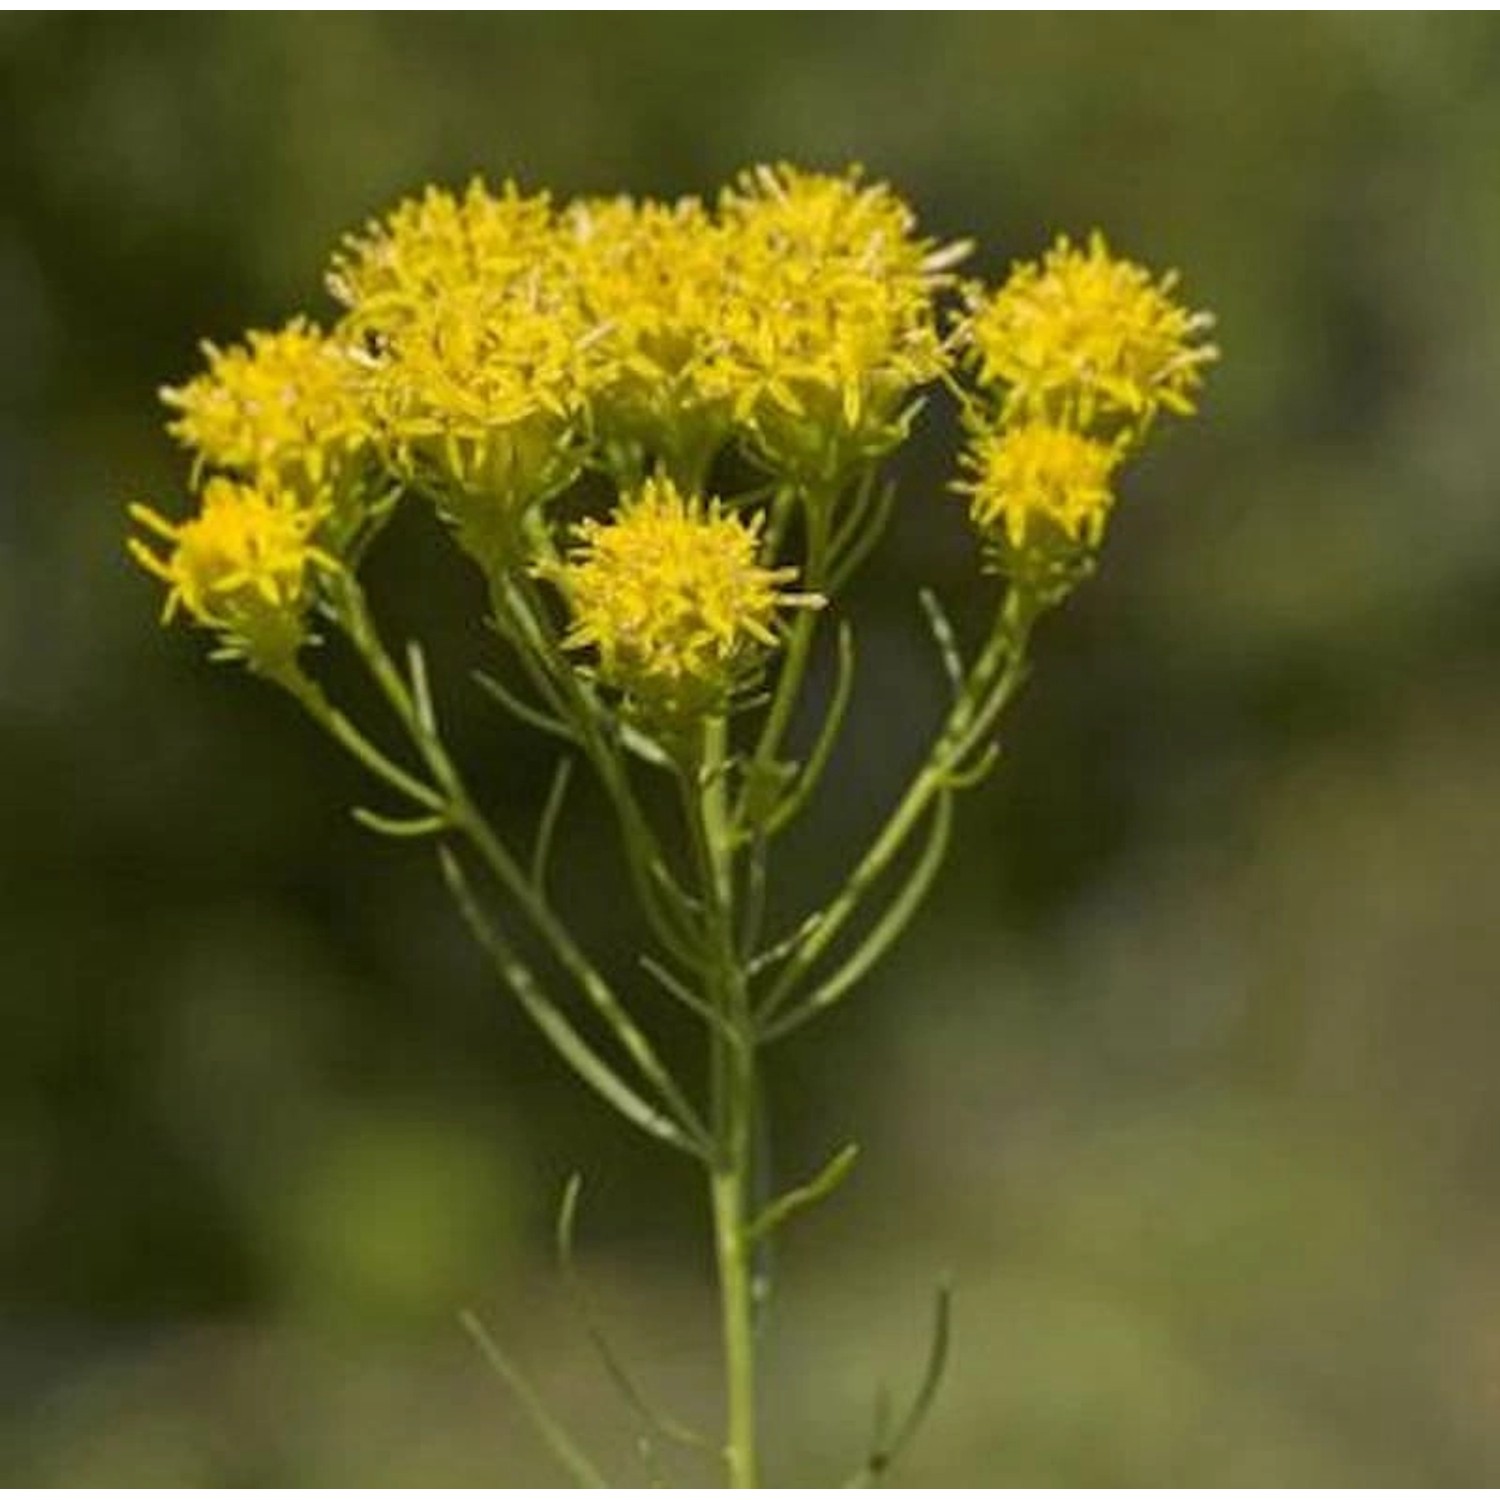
831	326
285	406
1036	475
478	361
509	338
1084	337
656	427
242	566
1074	356
494	346
671	597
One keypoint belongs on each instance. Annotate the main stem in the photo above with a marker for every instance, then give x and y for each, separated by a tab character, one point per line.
733	1080
728	1185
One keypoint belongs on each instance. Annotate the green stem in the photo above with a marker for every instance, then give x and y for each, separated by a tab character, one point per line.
993	682
732	1249
464	816
315	702
798	649
733	1087
518	608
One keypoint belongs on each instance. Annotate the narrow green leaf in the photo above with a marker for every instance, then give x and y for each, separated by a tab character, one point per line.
574	1050
965	778
775	1214
421	688
563	1446
857	541
547	827
643	747
947	642
884	932
526	712
685	996
399	828
884	1454
823	748
665	1426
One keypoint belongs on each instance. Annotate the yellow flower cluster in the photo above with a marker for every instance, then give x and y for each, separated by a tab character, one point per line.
494	345
1086	337
670	596
241	566
1074	356
478	355
1037	474
652	281
285	406
831	326
799	316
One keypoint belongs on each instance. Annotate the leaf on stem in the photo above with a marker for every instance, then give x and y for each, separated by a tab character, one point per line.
421	688
526	712
643	747
685	996
858	537
774	1215
964	778
664	1426
399	828
547	827
823	748
558	1030
884	1451
768	958
885	931
947	642
563	1445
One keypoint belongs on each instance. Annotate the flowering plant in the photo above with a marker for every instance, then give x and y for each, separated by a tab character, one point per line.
501	358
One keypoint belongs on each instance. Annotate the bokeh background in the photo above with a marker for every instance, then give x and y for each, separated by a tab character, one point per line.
1188	1074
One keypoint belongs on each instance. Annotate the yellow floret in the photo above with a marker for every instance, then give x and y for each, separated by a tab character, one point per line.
475	337
284	404
830	328
670	596
1038	483
429	244
1084	335
242	566
653	281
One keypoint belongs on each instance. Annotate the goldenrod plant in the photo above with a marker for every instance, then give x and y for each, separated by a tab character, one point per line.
507	360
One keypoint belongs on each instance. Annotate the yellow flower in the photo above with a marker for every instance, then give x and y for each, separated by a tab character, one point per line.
1084	335
475	337
284	404
670	595
427	245
653	281
1038	484
242	566
830	327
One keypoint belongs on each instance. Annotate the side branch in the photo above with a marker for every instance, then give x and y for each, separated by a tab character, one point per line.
991	685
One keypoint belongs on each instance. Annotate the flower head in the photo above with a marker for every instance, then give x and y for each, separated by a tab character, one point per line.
242	566
1040	487
830	328
430	244
475	338
285	405
671	596
652	281
1084	335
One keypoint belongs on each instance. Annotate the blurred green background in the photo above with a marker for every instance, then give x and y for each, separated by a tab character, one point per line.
1188	1073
